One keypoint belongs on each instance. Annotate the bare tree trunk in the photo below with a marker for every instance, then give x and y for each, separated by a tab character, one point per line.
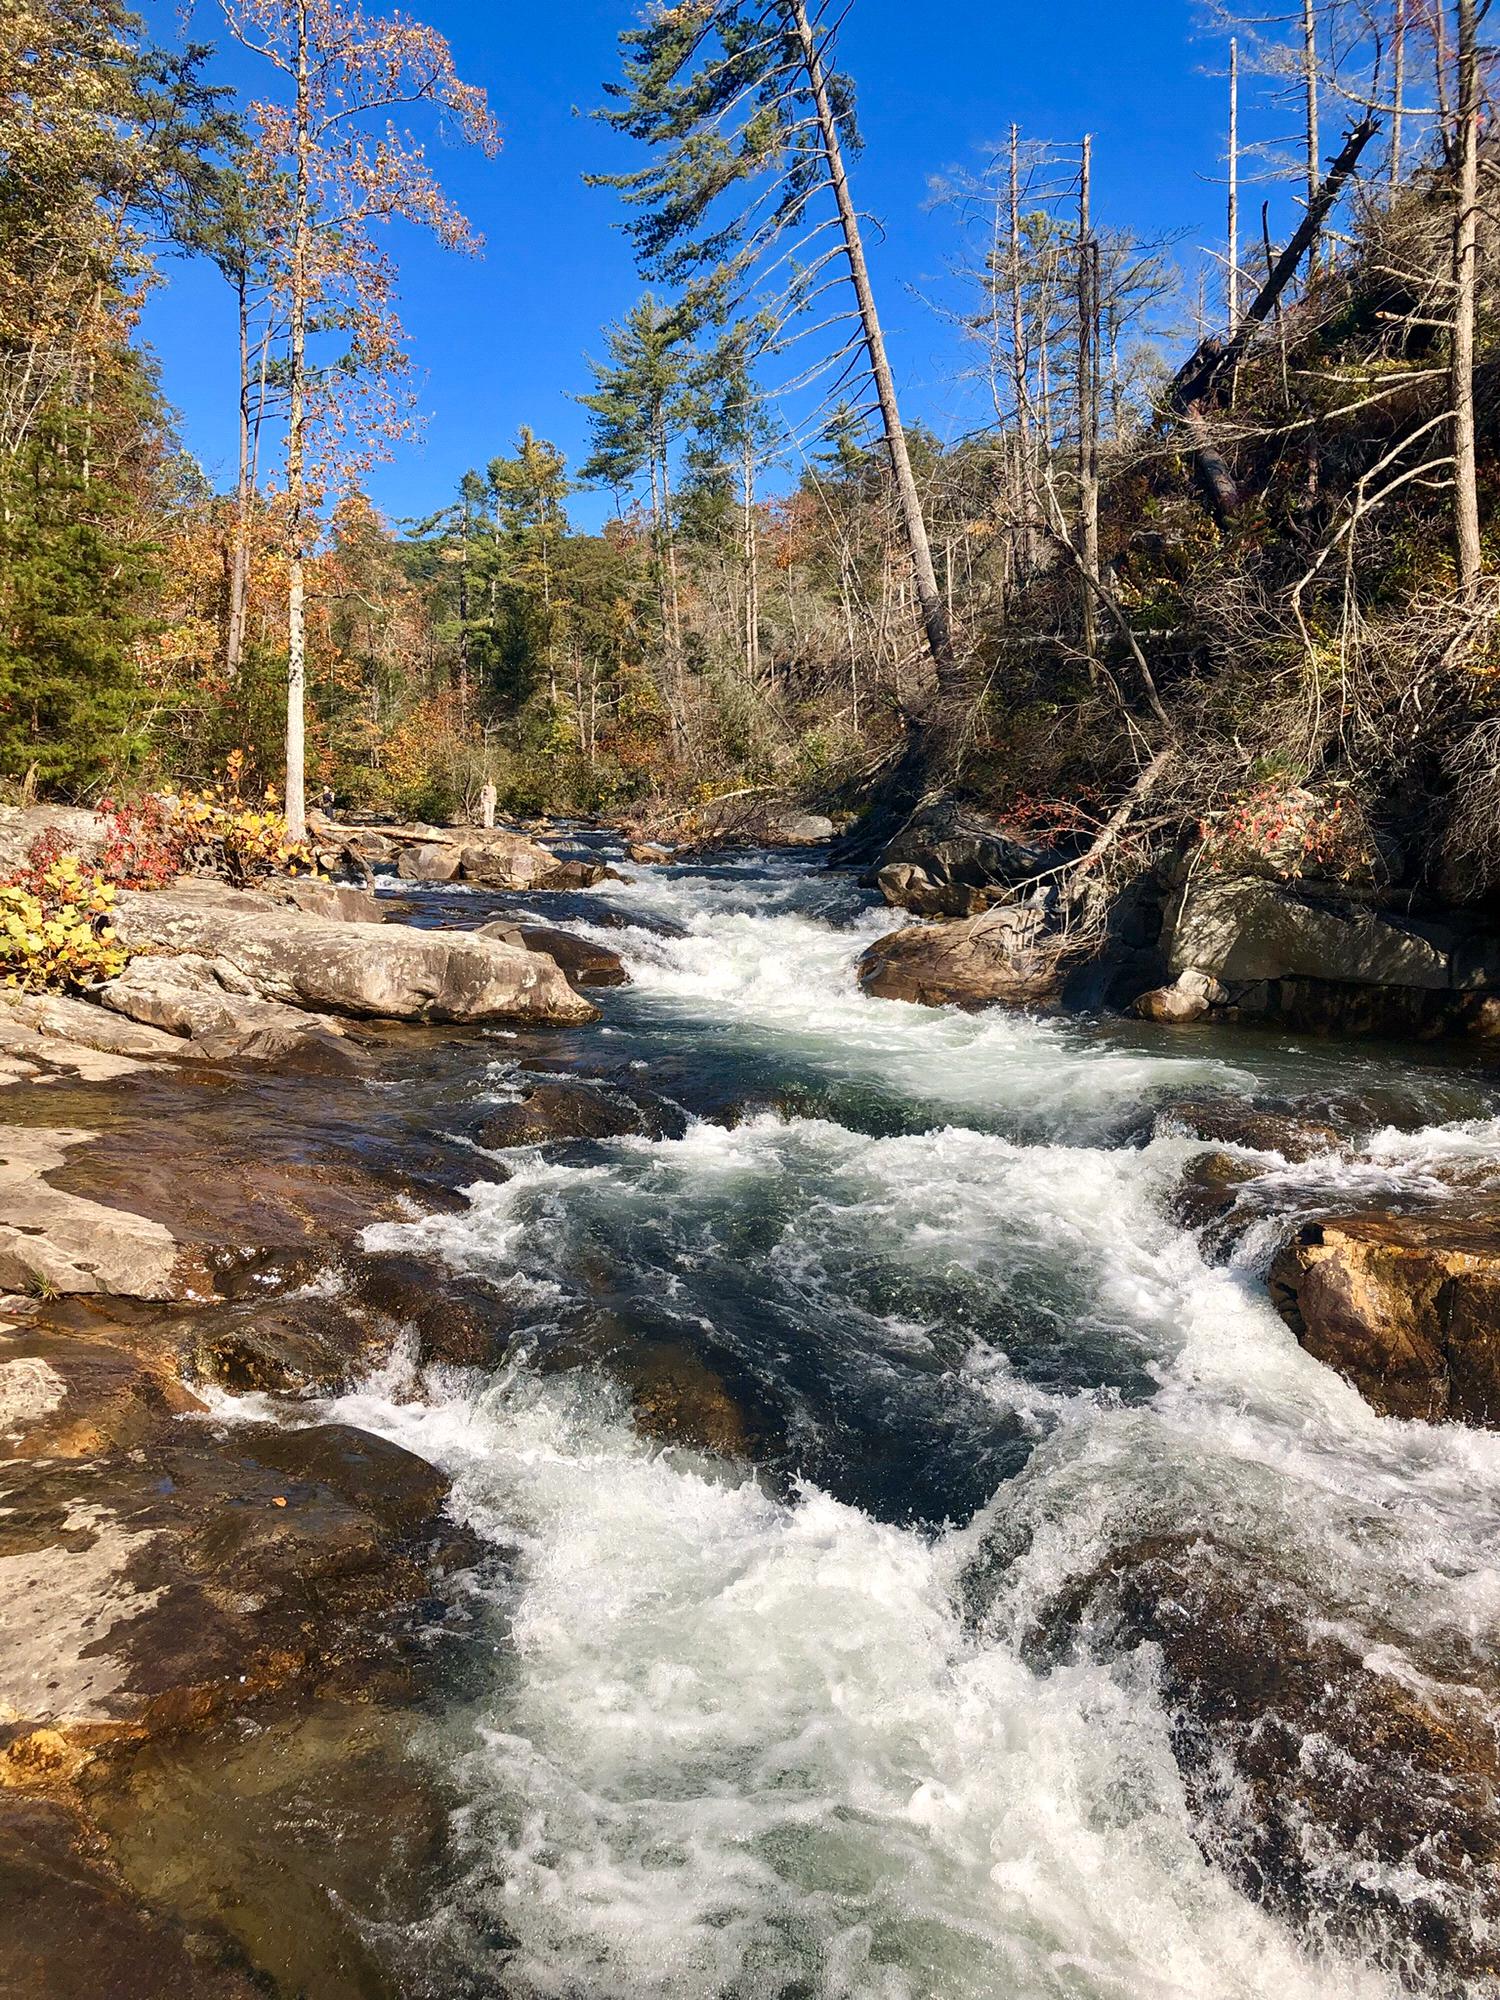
1232	262
239	564
1314	172
1088	396
1020	359
935	622
1465	284
296	657
752	565
1398	89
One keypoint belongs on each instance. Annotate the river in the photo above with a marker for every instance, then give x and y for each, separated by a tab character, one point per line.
789	1730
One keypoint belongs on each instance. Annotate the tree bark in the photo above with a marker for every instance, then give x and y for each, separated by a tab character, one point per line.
935	621
1465	287
1314	168
296	495
239	561
1088	397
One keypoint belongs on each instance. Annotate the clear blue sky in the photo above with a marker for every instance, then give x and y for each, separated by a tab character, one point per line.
502	340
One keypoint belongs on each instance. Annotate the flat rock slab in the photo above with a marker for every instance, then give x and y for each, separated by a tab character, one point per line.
149	1590
61	1242
379	971
585	964
214	1007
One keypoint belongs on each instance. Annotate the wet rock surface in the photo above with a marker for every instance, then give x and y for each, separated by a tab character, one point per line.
72	1929
584	963
1406	1307
1361	1802
576	1109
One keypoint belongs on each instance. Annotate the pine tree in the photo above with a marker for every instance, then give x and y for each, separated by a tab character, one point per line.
750	124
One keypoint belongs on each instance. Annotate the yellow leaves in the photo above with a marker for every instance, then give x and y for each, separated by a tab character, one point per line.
59	935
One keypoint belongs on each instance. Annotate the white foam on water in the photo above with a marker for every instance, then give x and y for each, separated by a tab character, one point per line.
749	1745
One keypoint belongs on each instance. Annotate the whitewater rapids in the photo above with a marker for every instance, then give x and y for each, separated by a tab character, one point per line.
759	1734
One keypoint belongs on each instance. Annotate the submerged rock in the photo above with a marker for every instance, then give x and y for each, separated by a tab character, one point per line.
386	971
978	962
576	1110
1355	1800
71	1929
1406	1307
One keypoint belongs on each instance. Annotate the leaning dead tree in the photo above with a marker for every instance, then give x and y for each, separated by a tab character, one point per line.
746	208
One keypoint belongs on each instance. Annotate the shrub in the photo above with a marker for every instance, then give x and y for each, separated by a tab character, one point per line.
1286	833
143	847
152	839
55	926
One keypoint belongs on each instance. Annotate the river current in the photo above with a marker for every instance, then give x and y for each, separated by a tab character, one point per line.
782	1730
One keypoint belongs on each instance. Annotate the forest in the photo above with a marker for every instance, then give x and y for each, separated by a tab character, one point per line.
1219	547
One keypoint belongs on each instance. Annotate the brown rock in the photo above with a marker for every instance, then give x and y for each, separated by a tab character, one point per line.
1406	1307
679	1400
1224	1122
978	962
70	1929
584	963
574	1110
1342	1795
646	853
209	1002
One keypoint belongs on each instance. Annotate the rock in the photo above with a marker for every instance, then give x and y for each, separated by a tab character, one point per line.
577	875
211	1003
1227	1122
427	861
77	1392
334	900
499	859
1209	1190
584	963
71	1036
149	1590
1406	1307
1188	998
83	832
455	1320
1342	1795
646	854
977	962
59	1242
957	848
309	1346
679	1400
573	1110
389	971
1246	929
798	829
905	886
70	1929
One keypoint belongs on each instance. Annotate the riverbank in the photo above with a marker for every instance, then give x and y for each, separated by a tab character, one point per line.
841	1401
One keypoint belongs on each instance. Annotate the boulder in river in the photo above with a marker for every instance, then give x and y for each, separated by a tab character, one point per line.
574	1109
500	859
950	858
430	861
585	963
387	971
1406	1307
1231	1122
976	962
1357	1799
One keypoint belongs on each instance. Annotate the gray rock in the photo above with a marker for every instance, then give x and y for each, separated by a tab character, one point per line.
1241	928
428	861
380	971
213	1004
955	844
59	1242
1188	998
